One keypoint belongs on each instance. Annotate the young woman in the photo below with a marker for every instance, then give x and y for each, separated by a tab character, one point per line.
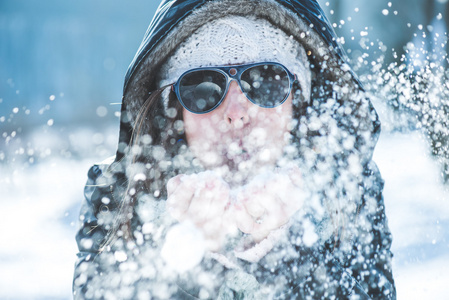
243	169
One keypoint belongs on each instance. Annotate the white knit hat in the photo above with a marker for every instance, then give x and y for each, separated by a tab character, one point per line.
238	40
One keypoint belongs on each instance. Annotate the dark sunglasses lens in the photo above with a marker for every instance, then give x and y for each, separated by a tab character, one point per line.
201	91
266	85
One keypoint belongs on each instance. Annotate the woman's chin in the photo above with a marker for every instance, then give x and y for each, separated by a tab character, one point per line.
237	168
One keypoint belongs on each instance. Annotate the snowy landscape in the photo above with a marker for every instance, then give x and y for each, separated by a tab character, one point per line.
59	115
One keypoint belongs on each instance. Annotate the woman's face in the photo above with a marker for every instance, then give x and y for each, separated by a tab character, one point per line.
239	135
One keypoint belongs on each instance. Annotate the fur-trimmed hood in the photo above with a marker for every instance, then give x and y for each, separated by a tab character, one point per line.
176	20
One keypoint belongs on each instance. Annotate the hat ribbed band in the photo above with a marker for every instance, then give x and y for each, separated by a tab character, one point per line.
238	40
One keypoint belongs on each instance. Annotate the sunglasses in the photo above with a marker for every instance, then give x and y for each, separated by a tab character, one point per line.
266	84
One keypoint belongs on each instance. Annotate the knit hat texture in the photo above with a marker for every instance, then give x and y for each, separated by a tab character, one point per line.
238	40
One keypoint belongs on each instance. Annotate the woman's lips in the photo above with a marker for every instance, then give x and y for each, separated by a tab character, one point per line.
238	154
238	150
244	156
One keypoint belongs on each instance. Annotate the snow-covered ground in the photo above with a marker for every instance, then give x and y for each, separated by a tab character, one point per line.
39	206
418	212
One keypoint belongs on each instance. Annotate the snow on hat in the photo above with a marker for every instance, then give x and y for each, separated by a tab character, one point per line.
238	40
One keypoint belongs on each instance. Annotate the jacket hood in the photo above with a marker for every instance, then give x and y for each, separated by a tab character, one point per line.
292	16
176	20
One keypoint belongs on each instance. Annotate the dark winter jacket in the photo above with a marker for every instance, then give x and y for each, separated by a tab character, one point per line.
359	265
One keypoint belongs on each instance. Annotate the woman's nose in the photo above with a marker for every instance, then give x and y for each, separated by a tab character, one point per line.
236	106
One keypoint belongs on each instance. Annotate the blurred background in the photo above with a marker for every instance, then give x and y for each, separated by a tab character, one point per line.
62	66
